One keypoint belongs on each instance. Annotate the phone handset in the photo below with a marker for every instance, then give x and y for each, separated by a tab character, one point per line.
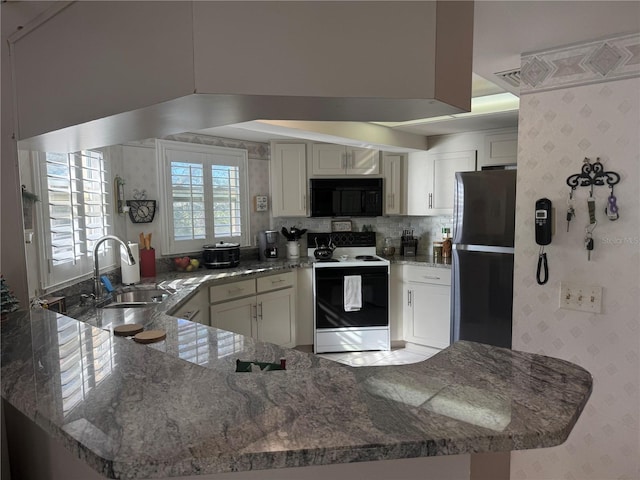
543	222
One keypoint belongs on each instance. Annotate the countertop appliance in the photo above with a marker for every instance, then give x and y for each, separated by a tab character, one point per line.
346	197
268	245
221	255
482	264
351	294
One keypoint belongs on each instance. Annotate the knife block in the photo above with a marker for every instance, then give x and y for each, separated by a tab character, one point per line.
148	263
409	246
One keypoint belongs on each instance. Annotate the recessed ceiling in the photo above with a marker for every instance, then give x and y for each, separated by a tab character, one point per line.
503	30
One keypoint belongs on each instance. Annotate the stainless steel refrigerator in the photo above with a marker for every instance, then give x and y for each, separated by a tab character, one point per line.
482	264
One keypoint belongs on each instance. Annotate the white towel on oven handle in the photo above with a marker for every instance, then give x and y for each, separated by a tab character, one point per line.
352	293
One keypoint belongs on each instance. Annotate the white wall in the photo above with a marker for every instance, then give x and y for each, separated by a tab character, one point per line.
558	128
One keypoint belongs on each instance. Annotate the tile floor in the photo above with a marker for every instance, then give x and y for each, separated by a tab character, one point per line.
399	356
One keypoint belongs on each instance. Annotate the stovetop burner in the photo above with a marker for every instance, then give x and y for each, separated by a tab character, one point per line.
367	258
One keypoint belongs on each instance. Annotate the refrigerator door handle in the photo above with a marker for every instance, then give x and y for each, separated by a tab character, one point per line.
483	248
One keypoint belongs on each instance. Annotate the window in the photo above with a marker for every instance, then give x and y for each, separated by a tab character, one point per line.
205	195
74	213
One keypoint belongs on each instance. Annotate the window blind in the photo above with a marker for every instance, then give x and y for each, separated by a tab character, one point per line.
75	213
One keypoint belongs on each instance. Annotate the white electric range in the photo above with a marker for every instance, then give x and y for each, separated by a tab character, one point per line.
351	294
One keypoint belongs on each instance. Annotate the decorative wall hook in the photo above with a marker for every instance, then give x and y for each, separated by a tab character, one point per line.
592	174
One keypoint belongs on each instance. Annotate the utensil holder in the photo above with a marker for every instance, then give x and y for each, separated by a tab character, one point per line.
148	263
293	250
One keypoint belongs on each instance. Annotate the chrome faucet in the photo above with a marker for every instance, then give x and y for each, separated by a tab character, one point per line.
96	269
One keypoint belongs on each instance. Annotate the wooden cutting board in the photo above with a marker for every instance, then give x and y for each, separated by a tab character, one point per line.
150	336
127	329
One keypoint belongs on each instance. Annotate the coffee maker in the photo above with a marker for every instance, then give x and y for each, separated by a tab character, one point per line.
268	245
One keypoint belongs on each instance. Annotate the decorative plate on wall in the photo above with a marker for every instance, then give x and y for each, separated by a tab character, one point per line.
141	211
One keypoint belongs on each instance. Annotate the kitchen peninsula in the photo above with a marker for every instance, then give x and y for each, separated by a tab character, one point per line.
150	411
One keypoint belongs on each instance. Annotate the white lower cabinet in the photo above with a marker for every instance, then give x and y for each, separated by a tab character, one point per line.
196	308
276	317
426	311
235	316
261	308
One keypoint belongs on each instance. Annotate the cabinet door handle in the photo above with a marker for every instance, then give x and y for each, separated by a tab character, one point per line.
431	200
280	280
190	315
260	313
431	277
254	310
409	299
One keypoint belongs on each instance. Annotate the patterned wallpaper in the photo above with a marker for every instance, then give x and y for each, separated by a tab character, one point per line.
565	117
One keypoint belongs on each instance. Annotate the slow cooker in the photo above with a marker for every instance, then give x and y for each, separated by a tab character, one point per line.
221	255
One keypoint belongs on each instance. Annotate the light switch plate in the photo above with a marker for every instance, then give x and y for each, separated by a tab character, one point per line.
583	298
261	203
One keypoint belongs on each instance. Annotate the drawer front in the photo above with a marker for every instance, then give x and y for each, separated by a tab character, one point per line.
228	291
273	282
439	276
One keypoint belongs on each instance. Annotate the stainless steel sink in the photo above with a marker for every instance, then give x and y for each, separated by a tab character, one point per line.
135	297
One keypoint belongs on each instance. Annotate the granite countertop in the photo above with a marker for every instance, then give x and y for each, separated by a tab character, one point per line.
177	407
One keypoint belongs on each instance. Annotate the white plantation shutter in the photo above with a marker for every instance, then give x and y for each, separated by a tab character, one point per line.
206	195
187	190
75	213
227	208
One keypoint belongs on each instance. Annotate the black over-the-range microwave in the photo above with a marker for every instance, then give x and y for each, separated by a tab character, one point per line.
346	197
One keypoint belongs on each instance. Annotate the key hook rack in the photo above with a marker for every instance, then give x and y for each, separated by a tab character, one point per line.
593	174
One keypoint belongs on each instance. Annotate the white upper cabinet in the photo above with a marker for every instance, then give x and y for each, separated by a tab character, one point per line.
288	179
330	160
499	149
392	171
430	180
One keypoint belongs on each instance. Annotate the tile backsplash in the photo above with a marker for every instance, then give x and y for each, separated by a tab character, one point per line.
426	229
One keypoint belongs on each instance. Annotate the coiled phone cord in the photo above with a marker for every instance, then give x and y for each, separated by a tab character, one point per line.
543	267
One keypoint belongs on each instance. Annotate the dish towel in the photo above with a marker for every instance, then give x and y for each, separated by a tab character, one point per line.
352	293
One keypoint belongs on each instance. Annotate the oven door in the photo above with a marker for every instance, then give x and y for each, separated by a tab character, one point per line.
329	297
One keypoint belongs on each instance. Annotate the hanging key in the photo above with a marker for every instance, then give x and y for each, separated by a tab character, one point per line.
588	244
571	212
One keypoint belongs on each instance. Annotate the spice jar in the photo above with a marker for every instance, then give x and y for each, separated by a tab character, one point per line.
437	249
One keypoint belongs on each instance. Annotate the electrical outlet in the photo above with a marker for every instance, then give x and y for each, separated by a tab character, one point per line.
584	298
